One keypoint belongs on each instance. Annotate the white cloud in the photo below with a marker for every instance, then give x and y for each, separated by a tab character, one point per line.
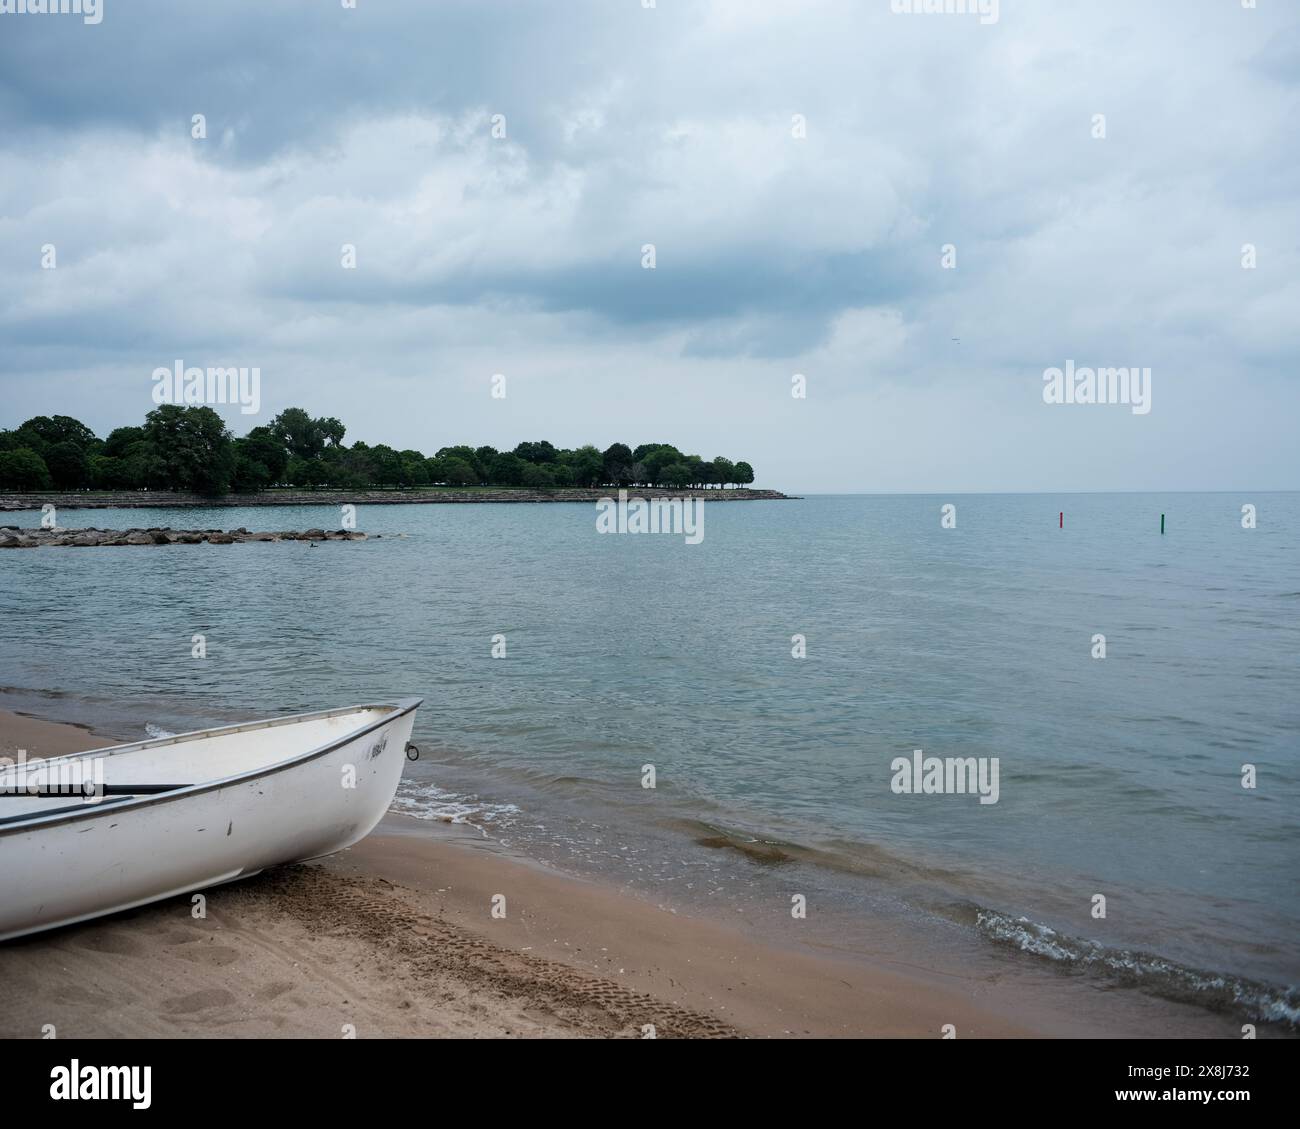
776	254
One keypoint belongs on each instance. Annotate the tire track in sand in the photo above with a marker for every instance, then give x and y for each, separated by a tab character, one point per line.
435	951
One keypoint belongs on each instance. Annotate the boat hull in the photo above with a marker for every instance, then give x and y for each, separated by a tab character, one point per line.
118	856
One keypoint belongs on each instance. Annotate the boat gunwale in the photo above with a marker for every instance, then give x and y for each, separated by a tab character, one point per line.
397	710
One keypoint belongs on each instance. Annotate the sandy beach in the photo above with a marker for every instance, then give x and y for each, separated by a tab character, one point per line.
395	937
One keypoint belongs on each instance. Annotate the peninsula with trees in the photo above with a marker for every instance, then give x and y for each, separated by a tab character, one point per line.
187	456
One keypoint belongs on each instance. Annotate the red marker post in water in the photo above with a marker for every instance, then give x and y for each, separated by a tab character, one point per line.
1062	519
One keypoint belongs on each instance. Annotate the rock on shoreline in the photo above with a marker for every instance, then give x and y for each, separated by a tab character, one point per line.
11	537
134	499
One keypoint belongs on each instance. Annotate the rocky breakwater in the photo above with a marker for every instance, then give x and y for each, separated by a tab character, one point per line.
138	499
12	537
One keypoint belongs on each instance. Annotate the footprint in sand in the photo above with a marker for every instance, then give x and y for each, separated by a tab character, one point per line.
216	955
107	941
174	936
199	1001
273	990
78	994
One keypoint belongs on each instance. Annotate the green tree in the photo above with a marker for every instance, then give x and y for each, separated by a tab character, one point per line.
413	470
302	436
539	452
460	473
260	460
263	446
588	466
538	476
68	466
616	464
657	462
53	430
676	474
23	469
507	470
297	472
347	467
331	430
189	449
123	463
121	439
385	465
250	475
307	472
454	472
470	457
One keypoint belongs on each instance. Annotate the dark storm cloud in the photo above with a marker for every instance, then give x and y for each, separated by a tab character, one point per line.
286	74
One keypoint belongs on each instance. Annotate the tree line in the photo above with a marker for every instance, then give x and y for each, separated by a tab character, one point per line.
191	449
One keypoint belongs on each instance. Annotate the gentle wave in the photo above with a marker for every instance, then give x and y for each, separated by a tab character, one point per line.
428	801
1146	971
1149	972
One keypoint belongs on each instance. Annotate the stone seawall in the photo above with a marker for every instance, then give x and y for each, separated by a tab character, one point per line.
136	499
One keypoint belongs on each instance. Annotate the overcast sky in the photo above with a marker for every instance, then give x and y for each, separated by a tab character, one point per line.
675	126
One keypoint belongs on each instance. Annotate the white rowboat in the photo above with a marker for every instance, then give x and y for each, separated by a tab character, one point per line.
182	813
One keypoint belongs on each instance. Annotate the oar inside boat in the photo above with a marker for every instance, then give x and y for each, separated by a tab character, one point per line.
24	790
60	811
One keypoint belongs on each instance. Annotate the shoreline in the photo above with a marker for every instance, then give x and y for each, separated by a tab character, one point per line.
396	936
136	499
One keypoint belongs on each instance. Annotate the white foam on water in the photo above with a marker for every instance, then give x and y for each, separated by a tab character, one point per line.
1156	974
428	801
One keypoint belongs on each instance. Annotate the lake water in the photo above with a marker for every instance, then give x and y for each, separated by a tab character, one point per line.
1119	777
